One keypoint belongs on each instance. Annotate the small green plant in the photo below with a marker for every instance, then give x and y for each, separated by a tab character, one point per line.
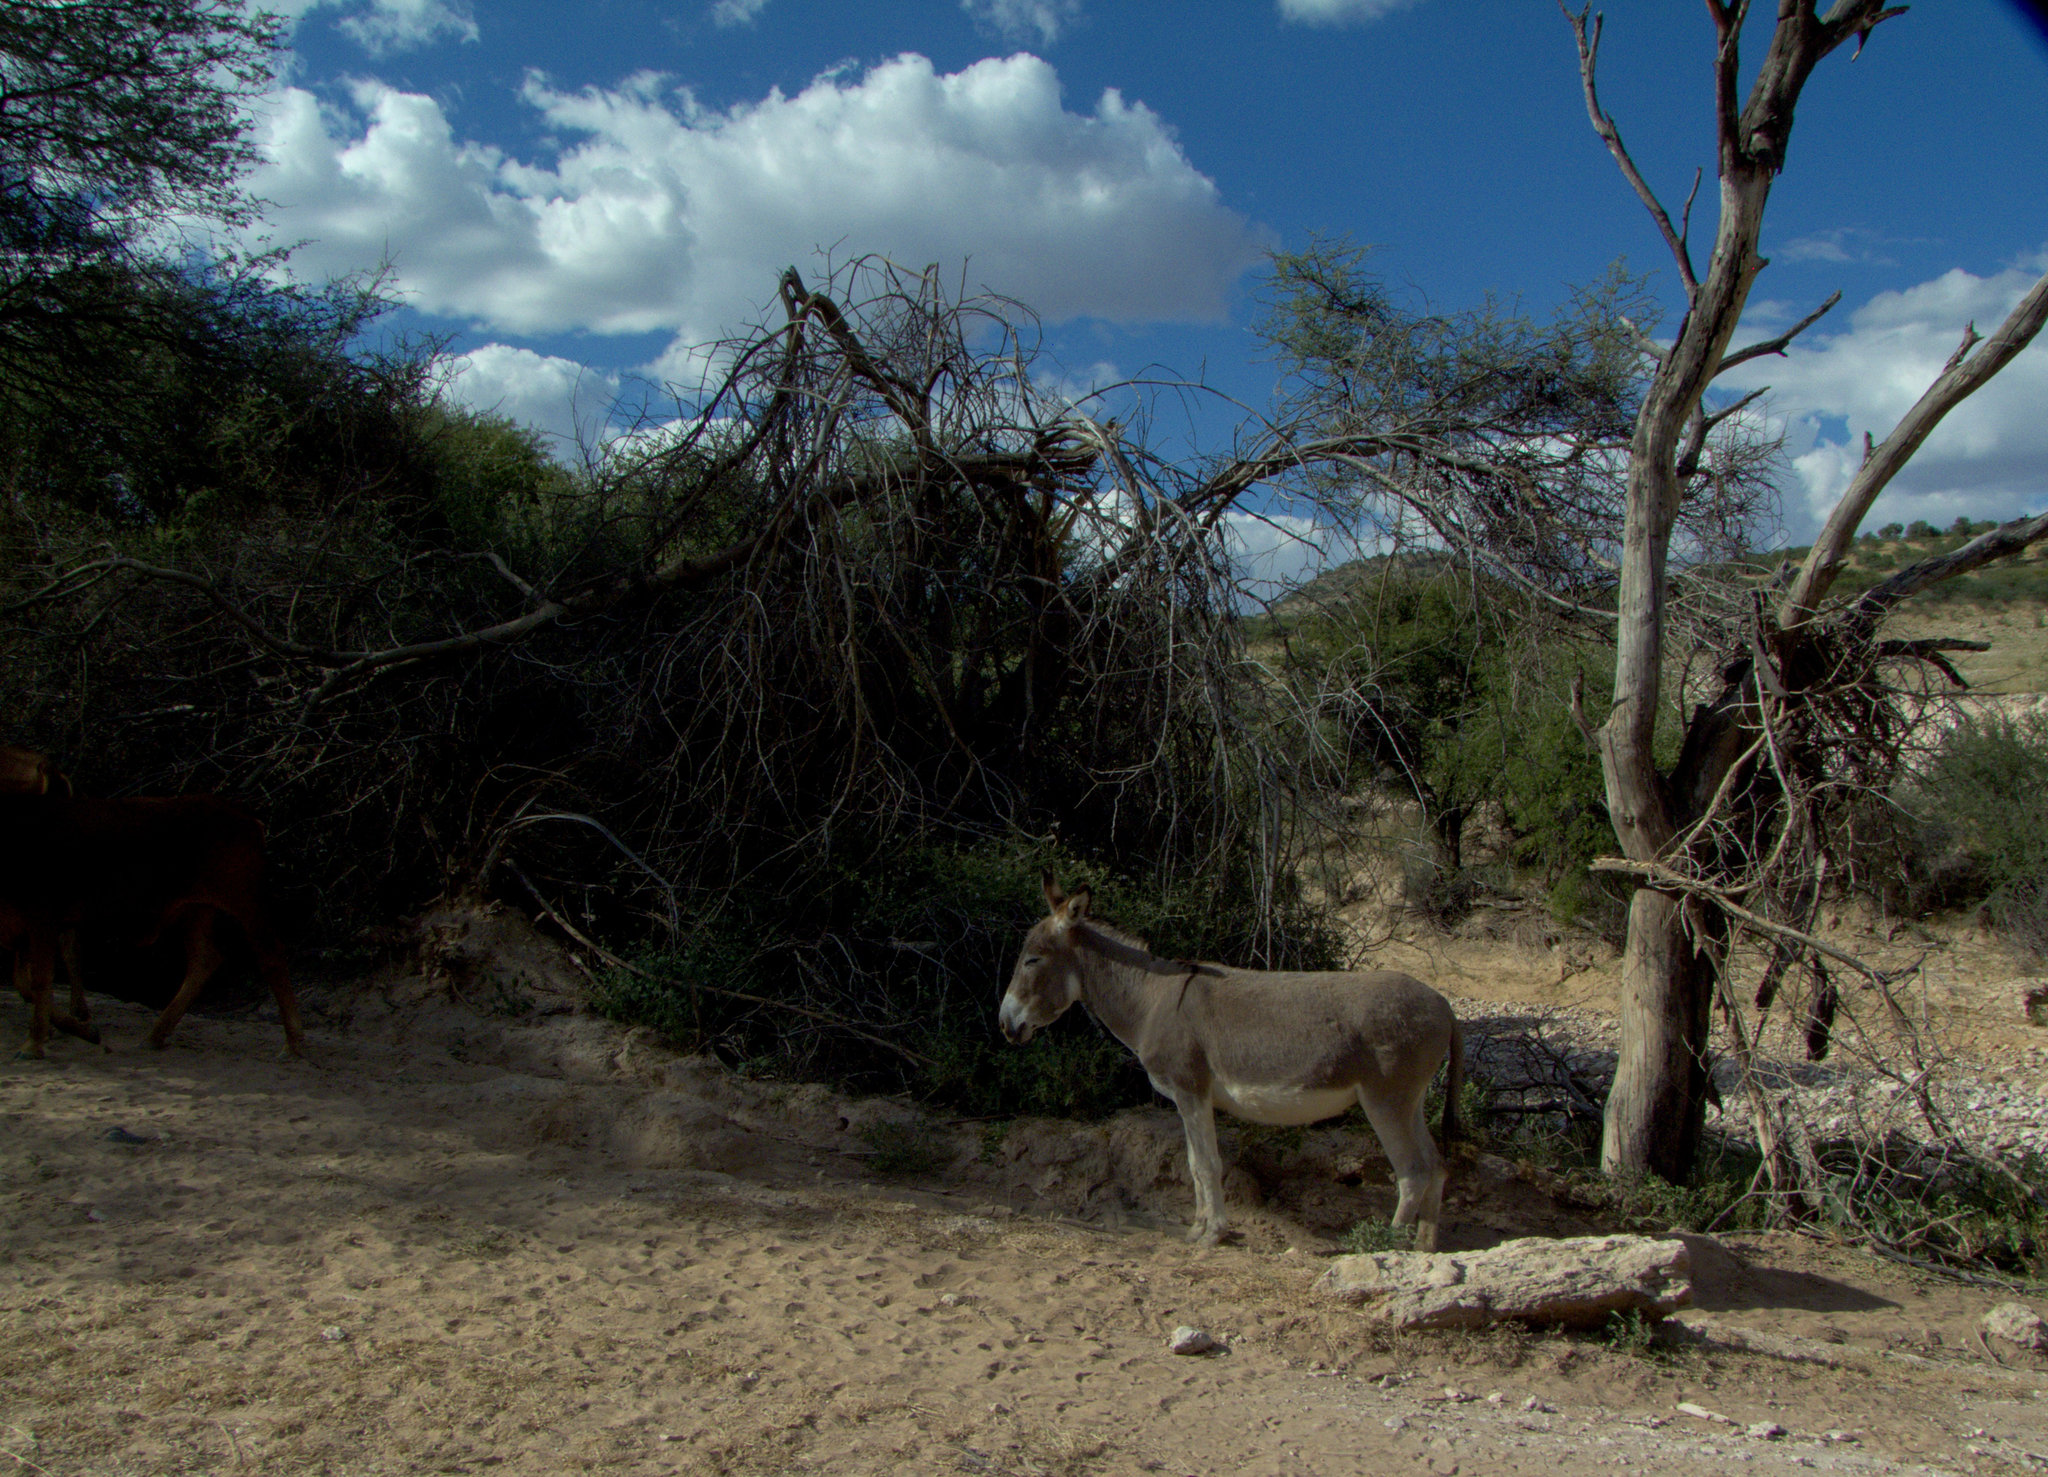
992	1137
904	1147
1475	1108
1717	1200
1959	1214
1367	1236
1630	1331
510	999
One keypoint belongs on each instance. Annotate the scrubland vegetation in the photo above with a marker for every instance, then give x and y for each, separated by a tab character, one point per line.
783	703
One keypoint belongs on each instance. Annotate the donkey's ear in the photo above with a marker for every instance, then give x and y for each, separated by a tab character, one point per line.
1077	904
1053	896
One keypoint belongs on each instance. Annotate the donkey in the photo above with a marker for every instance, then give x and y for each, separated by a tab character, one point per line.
1281	1047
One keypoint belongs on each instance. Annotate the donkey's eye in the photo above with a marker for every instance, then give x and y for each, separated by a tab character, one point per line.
1031	961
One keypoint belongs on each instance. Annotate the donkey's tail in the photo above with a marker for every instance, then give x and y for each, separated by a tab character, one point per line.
1454	1082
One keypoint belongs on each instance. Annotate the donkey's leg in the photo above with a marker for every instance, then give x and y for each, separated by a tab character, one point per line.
1429	1212
1418	1167
1205	1166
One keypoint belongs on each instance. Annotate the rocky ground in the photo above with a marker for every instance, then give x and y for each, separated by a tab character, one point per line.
455	1241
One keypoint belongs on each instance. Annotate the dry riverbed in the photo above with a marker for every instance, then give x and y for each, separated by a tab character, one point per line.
456	1242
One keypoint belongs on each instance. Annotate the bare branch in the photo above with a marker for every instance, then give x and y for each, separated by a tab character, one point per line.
1610	134
1961	379
1658	875
1778	345
2005	540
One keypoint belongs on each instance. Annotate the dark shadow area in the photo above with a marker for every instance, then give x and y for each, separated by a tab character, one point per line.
1725	1282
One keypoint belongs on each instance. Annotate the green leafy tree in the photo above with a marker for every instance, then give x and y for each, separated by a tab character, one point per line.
121	125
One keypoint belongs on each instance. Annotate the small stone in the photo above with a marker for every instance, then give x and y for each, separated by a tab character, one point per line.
951	1299
1457	1396
1395	1423
1768	1431
1840	1437
334	1333
1532	1403
1701	1413
2019	1324
1495	1398
1187	1340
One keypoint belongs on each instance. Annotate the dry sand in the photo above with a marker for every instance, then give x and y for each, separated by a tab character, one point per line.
459	1242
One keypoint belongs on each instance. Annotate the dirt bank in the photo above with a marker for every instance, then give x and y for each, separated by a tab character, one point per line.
459	1242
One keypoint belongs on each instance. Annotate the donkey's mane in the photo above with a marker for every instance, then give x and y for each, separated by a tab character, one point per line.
1129	949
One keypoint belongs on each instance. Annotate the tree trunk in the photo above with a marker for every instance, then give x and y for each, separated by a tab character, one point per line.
1657	1109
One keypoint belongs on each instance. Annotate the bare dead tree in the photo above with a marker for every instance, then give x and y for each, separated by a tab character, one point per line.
1804	707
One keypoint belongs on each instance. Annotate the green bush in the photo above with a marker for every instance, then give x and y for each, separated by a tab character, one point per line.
1981	833
915	948
1369	1236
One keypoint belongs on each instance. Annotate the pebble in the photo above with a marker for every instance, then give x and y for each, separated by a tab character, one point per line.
334	1333
1188	1340
1768	1431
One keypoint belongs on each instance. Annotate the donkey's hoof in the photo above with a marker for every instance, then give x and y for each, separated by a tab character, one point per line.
1204	1235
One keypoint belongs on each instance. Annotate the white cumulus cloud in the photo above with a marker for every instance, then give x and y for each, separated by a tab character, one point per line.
569	401
658	214
1339	12
736	12
1989	456
1025	20
384	26
1274	551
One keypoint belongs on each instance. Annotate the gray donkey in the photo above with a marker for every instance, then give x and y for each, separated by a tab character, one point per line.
1280	1047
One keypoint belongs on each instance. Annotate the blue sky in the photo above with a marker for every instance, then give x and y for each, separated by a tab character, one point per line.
581	195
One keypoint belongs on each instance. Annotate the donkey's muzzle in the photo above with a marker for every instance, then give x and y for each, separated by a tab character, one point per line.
1016	1025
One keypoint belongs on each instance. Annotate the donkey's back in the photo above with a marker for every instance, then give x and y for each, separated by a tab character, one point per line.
1379	1033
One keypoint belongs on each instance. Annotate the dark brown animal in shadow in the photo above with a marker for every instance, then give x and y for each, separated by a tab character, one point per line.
150	870
26	772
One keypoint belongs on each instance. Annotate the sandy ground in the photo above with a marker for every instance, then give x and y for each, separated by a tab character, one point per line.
459	1242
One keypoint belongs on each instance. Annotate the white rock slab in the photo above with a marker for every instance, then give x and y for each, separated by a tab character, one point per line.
1577	1281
